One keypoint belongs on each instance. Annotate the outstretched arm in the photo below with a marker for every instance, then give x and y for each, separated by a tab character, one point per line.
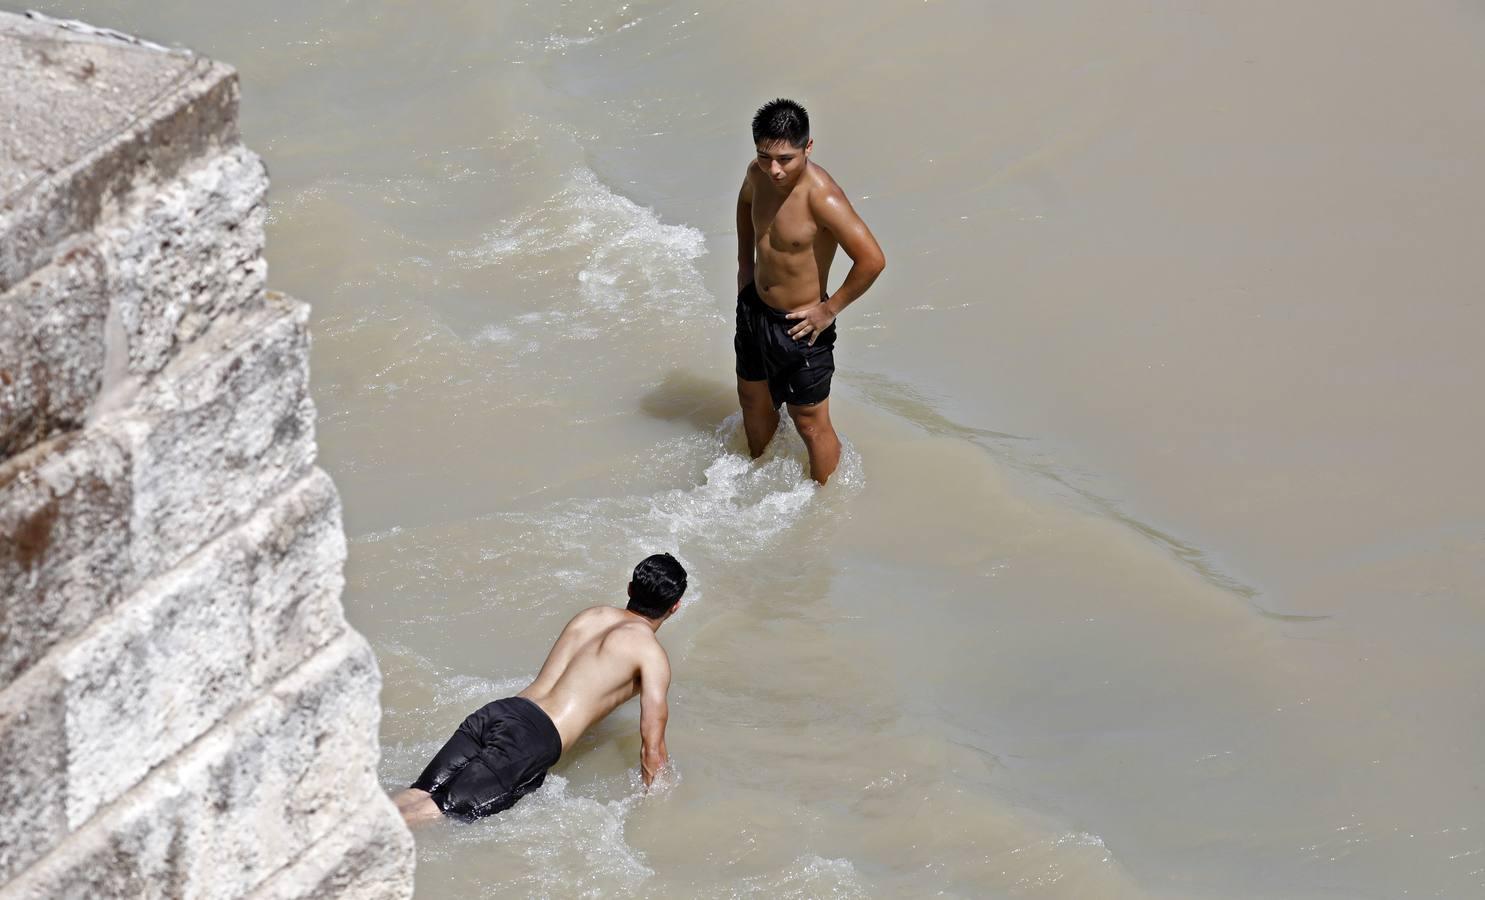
654	684
745	236
834	213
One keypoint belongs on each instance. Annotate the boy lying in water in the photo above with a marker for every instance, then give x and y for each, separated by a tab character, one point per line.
601	659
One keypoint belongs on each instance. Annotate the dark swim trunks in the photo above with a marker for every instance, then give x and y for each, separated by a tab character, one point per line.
500	754
796	372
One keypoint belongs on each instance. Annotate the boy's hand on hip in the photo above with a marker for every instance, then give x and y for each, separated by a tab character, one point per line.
812	322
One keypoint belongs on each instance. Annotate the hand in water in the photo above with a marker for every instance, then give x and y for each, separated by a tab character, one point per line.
662	781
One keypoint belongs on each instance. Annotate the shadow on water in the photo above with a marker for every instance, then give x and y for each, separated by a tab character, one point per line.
685	396
703	401
1019	453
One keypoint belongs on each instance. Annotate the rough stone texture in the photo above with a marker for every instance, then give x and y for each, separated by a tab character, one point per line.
356	862
82	90
102	118
198	641
33	745
191	252
226	426
64	510
184	711
169	264
244	801
170	664
296	550
52	332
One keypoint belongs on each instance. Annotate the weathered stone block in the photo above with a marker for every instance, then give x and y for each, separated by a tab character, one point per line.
64	511
183	709
170	264
82	85
224	427
33	746
52	348
297	549
369	857
191	252
240	803
130	118
302	762
175	656
170	662
92	718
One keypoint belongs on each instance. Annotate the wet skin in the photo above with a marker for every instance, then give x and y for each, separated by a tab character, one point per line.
603	658
791	219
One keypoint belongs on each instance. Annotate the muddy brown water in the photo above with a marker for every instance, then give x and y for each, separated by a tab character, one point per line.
1155	562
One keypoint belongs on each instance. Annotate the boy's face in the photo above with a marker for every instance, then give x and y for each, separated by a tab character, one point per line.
782	162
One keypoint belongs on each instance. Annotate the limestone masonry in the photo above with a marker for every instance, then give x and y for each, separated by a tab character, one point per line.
183	710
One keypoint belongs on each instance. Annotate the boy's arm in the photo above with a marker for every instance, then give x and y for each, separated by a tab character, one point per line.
745	235
654	684
834	213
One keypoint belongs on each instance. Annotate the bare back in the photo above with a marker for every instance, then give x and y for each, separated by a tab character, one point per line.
603	658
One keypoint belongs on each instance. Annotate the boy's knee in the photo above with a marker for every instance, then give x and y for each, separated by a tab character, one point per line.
812	428
760	411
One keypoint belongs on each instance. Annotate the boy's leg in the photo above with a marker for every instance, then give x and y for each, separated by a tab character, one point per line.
813	423
760	415
417	807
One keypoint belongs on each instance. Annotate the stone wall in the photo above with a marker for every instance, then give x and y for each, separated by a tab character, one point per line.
183	710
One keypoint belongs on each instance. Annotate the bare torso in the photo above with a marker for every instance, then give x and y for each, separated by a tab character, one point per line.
792	252
593	668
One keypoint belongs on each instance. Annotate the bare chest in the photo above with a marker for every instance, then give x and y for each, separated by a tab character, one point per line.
784	225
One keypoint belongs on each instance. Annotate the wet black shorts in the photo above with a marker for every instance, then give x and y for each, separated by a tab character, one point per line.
500	754
795	371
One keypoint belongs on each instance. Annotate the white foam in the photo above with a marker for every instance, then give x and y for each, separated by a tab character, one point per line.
808	876
604	271
574	845
619	19
376	537
739	508
464	690
1082	839
627	246
727	507
495	334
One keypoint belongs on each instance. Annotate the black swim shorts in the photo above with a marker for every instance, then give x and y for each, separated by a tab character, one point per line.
500	754
796	372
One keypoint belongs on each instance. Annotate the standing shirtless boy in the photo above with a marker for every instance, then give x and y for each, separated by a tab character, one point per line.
791	217
603	657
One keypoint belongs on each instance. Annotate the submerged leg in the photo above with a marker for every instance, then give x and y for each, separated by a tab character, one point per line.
417	807
820	439
760	415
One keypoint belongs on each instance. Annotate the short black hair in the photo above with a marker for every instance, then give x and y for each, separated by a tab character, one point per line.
659	581
781	120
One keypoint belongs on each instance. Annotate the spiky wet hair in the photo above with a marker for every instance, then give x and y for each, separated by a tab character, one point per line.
781	120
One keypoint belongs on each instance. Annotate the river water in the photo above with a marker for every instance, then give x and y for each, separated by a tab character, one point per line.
1154	566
